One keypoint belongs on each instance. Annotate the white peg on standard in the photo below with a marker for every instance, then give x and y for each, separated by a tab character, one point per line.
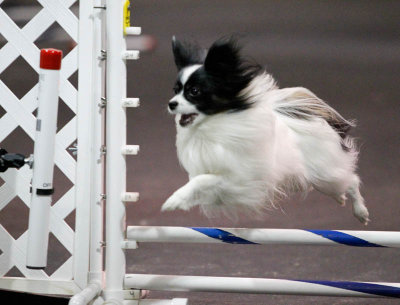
133	30
130	149
131	102
130	197
43	158
130	54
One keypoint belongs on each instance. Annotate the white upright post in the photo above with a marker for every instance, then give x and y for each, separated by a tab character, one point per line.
97	166
85	154
115	160
43	164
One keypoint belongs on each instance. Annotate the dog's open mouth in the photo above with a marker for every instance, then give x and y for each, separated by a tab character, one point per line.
187	119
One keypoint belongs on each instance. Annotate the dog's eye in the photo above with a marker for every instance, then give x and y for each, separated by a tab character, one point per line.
194	91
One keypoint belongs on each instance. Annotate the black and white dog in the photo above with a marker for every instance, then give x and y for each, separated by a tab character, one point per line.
245	142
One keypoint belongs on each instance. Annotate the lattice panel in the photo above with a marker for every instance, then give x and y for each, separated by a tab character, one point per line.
20	113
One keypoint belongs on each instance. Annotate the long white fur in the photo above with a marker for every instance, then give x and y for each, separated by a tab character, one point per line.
248	159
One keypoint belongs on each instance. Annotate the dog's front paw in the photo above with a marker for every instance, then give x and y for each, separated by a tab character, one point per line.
361	213
178	200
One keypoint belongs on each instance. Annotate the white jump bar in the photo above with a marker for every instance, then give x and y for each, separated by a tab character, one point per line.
264	236
260	286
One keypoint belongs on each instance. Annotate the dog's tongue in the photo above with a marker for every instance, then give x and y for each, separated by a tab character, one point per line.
187	119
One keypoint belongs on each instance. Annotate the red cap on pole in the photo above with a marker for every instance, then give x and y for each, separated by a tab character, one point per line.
50	59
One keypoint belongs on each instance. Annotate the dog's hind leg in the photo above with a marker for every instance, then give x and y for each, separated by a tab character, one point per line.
360	211
334	188
342	189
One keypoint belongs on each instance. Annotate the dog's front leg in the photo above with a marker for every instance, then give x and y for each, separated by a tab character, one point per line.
201	189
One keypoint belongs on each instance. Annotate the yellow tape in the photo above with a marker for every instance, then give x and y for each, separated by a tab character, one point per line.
127	15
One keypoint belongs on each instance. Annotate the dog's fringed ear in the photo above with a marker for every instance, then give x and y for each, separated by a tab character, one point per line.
186	54
223	57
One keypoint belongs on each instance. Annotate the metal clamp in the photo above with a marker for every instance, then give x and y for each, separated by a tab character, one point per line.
103	103
103	55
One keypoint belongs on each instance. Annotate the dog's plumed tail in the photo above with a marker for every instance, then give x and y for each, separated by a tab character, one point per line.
301	103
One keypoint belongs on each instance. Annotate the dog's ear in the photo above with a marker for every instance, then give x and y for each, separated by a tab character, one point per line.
186	54
223	57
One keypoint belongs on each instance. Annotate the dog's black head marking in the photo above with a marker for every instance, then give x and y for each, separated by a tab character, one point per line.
216	85
186	54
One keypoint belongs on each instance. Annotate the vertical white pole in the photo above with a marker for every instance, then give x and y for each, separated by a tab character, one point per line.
85	137
42	180
115	160
97	167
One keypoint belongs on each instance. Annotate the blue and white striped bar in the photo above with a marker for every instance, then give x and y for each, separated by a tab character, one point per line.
264	236
261	286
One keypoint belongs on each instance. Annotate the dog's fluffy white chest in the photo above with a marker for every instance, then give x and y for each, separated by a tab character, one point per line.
200	154
228	145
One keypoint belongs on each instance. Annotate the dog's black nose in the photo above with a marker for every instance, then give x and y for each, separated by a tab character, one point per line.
172	105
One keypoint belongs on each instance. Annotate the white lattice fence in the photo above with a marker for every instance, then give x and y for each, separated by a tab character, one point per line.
19	113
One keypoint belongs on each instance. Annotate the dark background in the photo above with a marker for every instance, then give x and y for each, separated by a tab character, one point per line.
348	53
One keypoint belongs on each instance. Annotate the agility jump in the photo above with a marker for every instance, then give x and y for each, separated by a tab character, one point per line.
88	284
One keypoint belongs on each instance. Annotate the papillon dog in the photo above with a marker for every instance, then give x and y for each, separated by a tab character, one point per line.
246	143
